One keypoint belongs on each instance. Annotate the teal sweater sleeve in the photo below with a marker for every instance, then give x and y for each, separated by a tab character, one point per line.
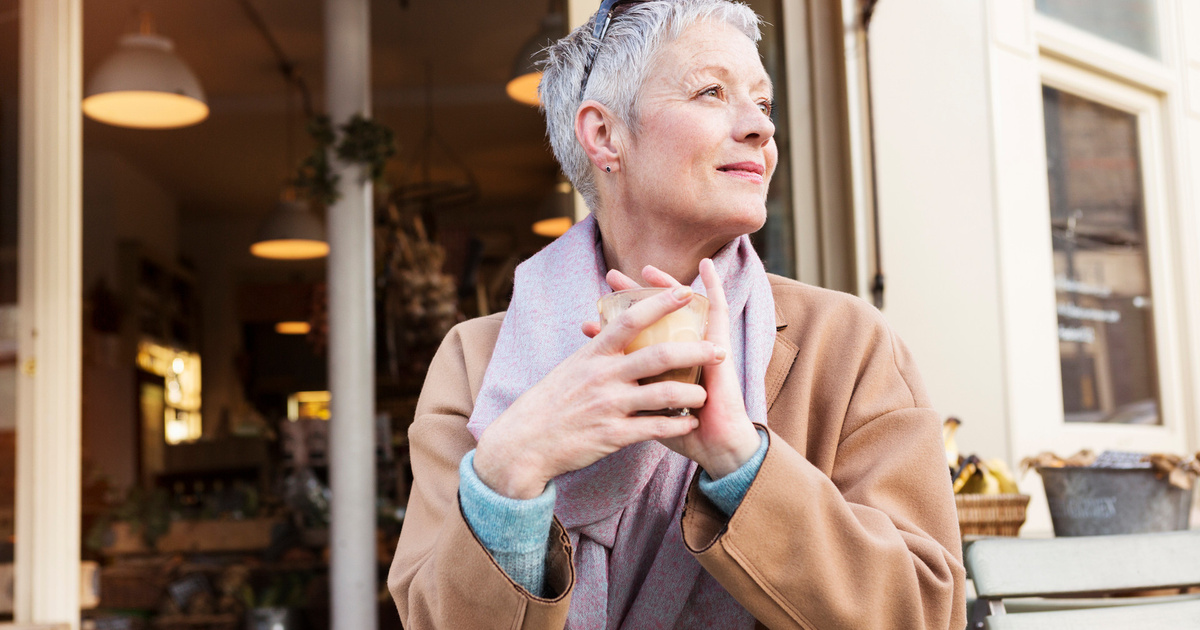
728	491
515	532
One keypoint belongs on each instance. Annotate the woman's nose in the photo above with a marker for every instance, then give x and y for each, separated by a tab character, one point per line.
753	124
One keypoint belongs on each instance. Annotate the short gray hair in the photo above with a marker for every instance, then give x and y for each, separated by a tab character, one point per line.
619	69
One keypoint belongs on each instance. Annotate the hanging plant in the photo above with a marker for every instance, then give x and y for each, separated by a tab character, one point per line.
367	142
360	141
315	178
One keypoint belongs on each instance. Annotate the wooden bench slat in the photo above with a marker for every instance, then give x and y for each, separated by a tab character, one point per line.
1004	568
1172	616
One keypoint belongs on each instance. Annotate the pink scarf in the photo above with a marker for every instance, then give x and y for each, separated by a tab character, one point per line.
621	513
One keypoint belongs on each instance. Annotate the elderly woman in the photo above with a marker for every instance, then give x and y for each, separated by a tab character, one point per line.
808	489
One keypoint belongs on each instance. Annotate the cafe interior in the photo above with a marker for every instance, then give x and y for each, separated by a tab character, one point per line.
205	383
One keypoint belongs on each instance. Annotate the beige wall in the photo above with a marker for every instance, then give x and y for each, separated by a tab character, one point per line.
937	220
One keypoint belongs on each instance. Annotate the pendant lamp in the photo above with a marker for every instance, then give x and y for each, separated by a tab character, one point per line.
291	232
293	328
144	85
557	212
526	75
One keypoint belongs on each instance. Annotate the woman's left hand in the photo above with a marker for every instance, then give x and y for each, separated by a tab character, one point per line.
725	439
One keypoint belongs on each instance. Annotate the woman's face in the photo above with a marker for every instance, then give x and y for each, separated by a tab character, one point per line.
704	153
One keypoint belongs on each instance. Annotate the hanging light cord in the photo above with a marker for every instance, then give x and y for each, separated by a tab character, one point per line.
286	66
289	142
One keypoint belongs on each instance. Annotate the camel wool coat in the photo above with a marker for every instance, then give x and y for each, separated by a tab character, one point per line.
850	522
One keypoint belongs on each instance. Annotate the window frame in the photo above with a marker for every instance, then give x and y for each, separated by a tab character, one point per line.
1061	39
1149	108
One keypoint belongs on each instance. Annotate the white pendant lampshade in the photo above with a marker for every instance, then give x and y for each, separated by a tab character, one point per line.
526	75
291	232
145	86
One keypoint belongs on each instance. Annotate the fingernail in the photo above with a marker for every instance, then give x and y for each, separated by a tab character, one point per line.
681	293
720	353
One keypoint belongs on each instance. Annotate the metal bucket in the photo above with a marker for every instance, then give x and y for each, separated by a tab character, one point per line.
1098	501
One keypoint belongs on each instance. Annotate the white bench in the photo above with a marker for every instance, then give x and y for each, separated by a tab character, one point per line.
1067	583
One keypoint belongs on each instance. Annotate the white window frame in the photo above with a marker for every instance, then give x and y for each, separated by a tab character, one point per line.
1096	68
1059	39
1026	49
1059	435
50	290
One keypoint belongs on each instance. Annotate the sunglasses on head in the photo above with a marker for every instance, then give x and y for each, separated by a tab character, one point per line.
609	10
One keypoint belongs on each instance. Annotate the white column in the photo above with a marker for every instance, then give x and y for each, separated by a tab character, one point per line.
351	331
579	12
859	129
50	294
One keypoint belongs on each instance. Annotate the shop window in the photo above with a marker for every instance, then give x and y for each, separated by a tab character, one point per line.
1101	268
1130	23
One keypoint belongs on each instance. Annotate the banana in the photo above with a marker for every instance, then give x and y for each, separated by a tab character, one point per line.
948	428
978	477
990	484
965	474
1004	476
982	481
970	475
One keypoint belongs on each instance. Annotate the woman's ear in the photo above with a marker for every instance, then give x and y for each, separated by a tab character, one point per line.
597	132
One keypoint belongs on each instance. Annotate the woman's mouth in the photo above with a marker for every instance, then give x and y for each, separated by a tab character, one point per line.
748	171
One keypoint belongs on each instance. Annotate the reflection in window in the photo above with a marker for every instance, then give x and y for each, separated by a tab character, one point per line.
1102	278
1130	23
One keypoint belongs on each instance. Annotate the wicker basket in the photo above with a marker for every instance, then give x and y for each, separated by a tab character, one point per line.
991	514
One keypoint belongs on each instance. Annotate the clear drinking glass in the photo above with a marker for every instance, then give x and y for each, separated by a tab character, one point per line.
685	324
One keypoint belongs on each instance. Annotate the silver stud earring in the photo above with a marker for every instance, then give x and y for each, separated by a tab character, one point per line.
608	168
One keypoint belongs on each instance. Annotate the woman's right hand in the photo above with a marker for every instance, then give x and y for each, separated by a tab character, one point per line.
585	408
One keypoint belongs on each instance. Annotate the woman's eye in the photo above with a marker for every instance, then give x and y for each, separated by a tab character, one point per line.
767	107
711	91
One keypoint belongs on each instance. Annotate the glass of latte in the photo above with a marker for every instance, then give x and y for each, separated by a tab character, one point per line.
685	324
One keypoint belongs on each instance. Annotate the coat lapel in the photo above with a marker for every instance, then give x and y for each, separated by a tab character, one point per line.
782	357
